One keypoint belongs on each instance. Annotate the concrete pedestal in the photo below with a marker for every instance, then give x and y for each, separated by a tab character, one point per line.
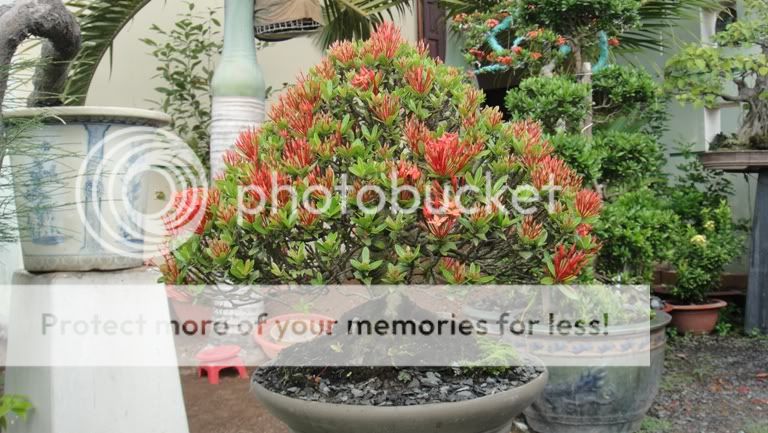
72	395
757	294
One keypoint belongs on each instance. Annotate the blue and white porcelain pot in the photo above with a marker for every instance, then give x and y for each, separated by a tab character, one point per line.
79	192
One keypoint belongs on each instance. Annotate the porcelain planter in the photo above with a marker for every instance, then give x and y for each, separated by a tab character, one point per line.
241	309
58	233
489	414
696	319
607	399
736	161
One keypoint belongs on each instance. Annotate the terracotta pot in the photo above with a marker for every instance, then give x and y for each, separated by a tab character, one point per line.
490	414
696	319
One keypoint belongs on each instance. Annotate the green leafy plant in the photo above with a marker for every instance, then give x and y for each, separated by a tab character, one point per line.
638	232
630	158
703	252
559	103
13	405
701	74
185	55
372	112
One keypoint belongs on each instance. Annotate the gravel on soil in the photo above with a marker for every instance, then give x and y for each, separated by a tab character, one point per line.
390	386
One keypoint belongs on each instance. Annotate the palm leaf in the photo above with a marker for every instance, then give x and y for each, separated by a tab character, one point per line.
100	23
354	19
658	18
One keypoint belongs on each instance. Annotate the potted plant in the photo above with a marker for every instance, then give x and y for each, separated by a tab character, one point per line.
701	74
382	114
55	236
699	259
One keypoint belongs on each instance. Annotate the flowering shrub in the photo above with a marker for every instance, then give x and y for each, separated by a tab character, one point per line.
703	252
379	166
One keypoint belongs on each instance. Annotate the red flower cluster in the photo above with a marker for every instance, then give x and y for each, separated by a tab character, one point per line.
588	203
417	134
447	155
385	41
385	107
190	210
531	229
367	79
297	153
420	79
454	267
248	144
343	51
567	264
552	170
491	23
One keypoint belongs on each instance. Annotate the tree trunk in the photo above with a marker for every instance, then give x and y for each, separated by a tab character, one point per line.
47	19
755	122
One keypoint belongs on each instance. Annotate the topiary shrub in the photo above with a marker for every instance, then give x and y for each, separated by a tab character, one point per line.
559	103
630	158
381	116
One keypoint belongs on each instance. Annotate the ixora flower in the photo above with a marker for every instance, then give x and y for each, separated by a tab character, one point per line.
588	203
372	111
699	241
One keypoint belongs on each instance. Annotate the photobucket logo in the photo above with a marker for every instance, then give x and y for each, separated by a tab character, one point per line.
127	185
273	195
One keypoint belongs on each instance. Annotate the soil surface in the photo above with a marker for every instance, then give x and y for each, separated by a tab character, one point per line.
713	385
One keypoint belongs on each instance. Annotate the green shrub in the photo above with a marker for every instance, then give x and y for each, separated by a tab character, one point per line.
628	99
630	159
559	103
639	232
582	154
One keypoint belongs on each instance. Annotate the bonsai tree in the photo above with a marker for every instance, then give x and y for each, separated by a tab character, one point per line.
383	116
700	74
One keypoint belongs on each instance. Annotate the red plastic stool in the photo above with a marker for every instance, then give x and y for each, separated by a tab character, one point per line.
218	358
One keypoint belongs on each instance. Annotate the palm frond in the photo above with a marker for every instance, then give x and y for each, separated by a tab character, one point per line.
354	19
658	19
100	23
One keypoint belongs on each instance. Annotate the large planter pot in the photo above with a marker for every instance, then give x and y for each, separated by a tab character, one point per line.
607	399
495	86
490	414
62	226
696	319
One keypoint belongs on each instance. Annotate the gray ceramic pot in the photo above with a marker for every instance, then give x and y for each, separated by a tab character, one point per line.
490	414
606	399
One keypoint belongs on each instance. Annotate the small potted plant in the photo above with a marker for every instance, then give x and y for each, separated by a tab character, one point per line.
701	254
